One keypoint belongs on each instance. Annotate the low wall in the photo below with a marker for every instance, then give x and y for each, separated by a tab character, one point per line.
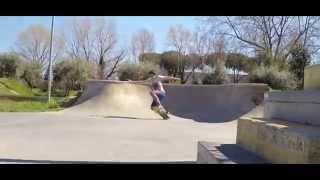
280	141
295	106
312	77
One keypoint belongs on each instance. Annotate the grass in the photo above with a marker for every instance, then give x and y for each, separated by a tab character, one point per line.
17	87
32	104
15	96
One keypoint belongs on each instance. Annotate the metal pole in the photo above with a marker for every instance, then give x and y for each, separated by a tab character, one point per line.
50	62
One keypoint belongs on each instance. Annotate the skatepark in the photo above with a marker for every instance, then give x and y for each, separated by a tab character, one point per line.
112	122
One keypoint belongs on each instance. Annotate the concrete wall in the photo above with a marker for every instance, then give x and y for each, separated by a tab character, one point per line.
312	77
280	141
295	106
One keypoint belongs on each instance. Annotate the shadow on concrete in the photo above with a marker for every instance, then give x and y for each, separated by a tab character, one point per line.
20	161
126	117
239	155
228	154
211	116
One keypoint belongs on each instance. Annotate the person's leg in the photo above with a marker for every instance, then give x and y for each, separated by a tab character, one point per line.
156	105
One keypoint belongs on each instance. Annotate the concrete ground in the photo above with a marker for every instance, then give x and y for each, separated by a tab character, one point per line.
61	137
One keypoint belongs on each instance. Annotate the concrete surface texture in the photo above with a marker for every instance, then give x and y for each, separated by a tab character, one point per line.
312	77
296	106
214	153
112	122
280	141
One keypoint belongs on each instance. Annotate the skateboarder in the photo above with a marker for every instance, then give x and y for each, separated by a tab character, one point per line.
157	92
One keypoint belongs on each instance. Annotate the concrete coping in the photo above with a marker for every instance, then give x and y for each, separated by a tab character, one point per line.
185	85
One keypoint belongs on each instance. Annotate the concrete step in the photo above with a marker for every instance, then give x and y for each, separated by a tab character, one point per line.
294	106
214	153
280	141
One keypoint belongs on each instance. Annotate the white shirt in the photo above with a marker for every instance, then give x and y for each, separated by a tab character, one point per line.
157	79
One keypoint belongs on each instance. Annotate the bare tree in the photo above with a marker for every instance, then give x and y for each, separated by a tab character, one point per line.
81	40
115	62
142	42
33	45
274	35
105	42
179	38
201	46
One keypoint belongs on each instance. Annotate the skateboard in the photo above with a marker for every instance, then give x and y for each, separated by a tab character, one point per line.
162	112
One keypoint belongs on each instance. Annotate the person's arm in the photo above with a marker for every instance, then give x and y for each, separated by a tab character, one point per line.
143	81
168	78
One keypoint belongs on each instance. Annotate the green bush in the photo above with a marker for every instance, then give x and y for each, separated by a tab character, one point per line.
9	64
275	77
218	77
135	72
32	74
71	75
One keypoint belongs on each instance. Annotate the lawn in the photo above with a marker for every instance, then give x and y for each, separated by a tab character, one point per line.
15	96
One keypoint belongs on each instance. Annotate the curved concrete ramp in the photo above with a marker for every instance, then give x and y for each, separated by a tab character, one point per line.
114	99
214	103
209	103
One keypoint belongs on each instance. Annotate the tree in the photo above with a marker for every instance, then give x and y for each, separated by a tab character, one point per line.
9	64
179	38
135	72
96	41
274	35
236	62
142	42
72	74
170	62
105	42
200	47
81	40
32	74
150	57
300	58
33	45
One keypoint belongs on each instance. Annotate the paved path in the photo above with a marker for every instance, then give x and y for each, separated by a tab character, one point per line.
60	137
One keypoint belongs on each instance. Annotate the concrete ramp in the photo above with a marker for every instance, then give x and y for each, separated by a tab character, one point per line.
207	103
214	103
114	99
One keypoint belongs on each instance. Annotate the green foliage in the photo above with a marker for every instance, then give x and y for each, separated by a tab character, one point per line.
9	64
72	74
218	77
32	104
236	62
150	57
32	74
300	58
169	61
135	72
275	77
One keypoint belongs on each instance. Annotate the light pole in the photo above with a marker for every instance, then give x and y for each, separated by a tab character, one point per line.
50	63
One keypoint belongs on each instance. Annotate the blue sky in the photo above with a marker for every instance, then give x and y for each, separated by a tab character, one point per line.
11	26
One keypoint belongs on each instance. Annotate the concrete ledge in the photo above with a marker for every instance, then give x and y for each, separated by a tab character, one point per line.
288	106
312	77
280	141
213	153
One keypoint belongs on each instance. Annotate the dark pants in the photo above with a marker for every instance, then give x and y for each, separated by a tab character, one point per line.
161	96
